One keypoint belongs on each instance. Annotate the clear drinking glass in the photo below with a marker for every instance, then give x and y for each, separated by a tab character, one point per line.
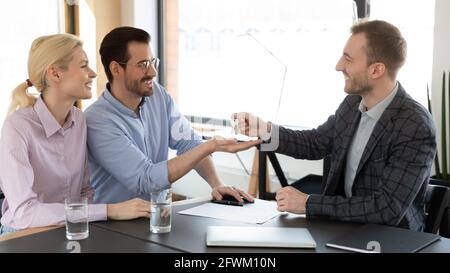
161	211
77	224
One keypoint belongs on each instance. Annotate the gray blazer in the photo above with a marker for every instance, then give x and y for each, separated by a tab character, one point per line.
394	170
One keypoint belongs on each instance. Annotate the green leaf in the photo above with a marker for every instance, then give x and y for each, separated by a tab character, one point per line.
436	158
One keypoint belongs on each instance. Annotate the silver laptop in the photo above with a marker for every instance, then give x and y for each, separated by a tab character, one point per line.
244	236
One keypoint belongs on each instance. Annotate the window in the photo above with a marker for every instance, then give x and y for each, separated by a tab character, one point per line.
273	58
22	21
277	58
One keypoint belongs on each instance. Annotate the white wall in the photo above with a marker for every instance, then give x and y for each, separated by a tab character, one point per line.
142	14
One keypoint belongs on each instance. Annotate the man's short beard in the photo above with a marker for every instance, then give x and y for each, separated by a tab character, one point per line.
134	87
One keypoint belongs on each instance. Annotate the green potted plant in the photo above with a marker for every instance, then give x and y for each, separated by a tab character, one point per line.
442	172
442	177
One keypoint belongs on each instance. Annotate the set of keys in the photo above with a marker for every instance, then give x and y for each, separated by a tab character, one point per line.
234	126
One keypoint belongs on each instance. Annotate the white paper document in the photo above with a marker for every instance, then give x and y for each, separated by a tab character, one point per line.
254	213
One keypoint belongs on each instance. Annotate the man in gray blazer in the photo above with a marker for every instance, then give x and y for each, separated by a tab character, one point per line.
381	142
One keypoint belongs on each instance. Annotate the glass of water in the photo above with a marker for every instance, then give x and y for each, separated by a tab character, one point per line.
77	225
161	211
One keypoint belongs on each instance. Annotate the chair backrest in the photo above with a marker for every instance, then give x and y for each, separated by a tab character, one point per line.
437	202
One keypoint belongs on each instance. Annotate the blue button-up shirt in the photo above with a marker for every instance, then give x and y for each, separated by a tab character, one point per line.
128	151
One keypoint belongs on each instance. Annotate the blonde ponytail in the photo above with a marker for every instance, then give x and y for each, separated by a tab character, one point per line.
46	51
20	98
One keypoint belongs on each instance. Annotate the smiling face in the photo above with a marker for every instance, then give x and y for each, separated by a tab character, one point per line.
76	80
353	64
139	80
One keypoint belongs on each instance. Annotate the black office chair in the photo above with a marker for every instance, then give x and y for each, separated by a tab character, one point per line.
436	201
444	229
437	204
310	184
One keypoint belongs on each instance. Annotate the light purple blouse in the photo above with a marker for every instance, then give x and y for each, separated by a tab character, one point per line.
41	163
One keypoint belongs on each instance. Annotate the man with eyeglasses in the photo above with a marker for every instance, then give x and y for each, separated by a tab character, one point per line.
134	123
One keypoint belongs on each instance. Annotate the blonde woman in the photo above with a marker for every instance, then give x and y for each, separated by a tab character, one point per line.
43	156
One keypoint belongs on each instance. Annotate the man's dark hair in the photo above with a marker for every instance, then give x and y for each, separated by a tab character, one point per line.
114	46
385	44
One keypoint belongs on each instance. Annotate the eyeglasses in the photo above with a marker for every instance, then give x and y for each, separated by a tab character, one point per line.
145	65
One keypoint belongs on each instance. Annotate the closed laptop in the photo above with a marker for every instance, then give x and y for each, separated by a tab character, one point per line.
245	236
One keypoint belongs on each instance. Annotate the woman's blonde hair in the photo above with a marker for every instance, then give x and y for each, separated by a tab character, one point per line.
52	50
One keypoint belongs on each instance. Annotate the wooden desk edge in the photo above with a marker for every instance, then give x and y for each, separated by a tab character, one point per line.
26	232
